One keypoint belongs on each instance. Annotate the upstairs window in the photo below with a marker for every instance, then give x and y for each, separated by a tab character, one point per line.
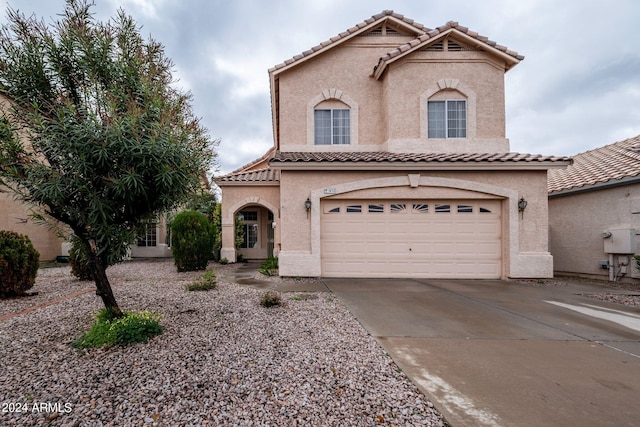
447	119
332	127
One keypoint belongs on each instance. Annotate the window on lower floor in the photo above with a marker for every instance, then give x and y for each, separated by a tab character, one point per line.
250	228
332	127
447	119
148	234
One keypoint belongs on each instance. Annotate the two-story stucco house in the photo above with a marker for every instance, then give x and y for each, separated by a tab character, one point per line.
390	160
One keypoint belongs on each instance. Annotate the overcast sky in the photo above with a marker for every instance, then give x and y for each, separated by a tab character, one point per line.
578	87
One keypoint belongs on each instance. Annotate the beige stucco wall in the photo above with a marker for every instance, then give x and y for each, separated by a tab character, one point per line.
237	197
577	221
388	114
14	216
525	239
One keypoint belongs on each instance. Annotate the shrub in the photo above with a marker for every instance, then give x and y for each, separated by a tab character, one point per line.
192	241
224	261
207	282
270	299
18	264
79	260
269	267
130	328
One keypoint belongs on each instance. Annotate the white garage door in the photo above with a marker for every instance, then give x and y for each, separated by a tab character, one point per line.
425	238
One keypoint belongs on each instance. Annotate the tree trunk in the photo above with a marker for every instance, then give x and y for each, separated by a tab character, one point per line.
103	287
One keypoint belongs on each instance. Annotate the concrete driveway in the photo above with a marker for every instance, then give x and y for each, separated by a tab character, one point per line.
494	353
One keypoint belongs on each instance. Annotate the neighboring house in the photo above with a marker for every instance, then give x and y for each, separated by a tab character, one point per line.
594	212
390	160
15	216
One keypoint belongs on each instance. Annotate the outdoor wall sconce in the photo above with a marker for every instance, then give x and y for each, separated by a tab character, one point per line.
522	205
307	205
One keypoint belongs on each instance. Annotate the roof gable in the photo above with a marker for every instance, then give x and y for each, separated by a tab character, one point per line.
614	163
382	22
463	39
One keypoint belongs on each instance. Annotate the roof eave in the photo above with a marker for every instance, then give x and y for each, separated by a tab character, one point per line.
247	183
457	166
595	187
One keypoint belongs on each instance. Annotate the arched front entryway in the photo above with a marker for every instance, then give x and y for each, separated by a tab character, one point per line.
256	226
259	220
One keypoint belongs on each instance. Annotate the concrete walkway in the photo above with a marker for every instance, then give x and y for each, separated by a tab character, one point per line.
493	353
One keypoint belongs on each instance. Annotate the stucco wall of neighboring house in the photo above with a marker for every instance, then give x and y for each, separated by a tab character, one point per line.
577	221
525	246
14	216
266	196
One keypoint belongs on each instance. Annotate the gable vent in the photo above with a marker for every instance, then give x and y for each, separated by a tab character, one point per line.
436	47
384	30
375	33
454	47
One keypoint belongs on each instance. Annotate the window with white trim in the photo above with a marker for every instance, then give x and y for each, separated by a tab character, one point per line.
447	119
332	127
250	226
148	236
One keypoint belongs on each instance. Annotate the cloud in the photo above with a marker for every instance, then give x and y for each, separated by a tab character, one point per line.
578	87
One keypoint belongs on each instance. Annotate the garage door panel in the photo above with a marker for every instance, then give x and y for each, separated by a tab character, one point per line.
461	241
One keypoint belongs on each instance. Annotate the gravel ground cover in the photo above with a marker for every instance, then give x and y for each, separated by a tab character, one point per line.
222	359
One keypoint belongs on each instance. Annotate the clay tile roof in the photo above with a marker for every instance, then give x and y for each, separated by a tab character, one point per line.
348	32
253	177
265	156
612	162
441	29
387	157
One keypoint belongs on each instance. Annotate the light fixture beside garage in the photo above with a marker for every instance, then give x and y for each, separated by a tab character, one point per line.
522	205
307	205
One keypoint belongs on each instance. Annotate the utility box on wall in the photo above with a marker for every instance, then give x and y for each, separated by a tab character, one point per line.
620	241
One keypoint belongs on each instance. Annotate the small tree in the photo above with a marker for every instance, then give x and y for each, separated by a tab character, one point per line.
110	140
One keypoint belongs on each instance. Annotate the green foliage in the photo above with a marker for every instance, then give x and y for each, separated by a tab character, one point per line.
207	282
270	299
192	241
217	231
239	233
128	329
18	264
97	135
224	261
203	202
269	267
79	259
637	258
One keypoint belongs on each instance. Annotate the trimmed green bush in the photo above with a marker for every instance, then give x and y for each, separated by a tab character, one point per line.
128	329
18	264
79	260
192	241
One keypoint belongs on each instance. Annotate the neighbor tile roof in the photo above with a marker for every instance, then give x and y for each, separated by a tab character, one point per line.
253	177
350	31
387	157
609	163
